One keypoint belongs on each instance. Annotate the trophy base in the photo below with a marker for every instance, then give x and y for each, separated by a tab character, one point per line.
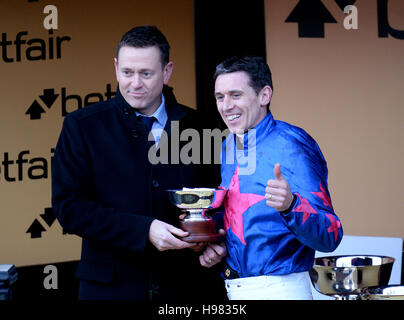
200	231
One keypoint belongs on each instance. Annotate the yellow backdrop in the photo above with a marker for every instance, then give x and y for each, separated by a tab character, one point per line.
45	75
347	91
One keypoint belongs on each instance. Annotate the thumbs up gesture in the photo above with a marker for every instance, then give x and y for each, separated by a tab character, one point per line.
277	192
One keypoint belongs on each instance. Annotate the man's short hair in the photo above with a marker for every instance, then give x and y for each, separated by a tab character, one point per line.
256	68
146	36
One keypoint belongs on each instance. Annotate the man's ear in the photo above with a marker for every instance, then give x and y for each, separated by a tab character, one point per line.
116	69
265	95
168	70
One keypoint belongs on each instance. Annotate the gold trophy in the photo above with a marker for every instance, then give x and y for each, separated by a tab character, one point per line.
195	202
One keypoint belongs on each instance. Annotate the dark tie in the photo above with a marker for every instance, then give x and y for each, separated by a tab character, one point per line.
148	121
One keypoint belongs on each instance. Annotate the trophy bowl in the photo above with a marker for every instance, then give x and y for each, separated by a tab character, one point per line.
195	202
392	292
344	277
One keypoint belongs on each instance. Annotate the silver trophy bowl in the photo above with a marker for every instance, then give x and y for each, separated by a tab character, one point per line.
392	292
195	203
345	277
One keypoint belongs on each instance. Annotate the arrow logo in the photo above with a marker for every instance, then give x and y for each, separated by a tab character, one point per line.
35	111
49	97
310	16
36	229
48	216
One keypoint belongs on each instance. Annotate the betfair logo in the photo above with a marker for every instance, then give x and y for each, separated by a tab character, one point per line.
68	101
21	47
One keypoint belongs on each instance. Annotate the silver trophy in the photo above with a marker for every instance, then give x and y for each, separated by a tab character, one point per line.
195	202
351	277
392	292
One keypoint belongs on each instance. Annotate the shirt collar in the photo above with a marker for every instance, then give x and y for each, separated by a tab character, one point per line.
160	114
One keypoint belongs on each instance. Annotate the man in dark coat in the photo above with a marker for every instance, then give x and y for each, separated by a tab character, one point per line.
106	190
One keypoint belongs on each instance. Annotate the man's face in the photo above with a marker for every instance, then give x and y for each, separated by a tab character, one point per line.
141	77
238	104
